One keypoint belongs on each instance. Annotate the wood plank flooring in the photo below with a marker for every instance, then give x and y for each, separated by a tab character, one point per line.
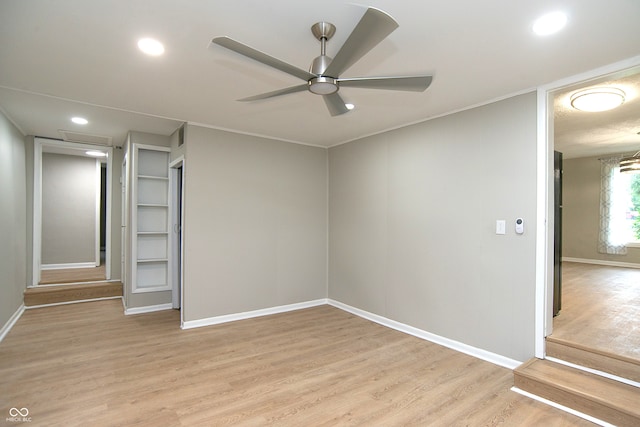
41	295
600	397
600	308
73	275
88	364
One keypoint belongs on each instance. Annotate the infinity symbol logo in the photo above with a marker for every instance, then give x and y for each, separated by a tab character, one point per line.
14	412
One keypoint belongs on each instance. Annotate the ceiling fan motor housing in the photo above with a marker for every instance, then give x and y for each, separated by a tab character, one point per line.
323	85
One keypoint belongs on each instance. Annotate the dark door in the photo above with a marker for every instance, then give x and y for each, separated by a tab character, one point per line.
557	232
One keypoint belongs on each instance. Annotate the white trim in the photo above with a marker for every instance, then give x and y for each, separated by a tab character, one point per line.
437	116
541	321
57	285
176	255
12	321
70	302
147	309
88	264
135	262
257	135
36	243
602	262
38	143
251	314
97	213
392	324
595	372
428	336
562	407
544	233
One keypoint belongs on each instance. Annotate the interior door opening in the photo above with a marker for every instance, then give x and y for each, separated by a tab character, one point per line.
70	246
176	184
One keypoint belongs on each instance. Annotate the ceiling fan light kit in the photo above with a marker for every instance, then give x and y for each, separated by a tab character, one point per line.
323	75
630	164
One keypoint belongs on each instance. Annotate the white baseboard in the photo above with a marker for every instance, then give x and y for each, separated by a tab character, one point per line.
148	309
428	336
602	262
446	342
68	265
250	314
12	321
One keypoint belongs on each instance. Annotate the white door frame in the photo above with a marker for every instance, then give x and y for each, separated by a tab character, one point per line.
38	145
176	246
544	192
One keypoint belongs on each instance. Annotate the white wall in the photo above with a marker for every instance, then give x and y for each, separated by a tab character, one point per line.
255	223
69	197
412	226
13	230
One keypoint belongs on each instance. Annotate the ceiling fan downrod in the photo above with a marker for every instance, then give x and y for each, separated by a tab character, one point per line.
322	85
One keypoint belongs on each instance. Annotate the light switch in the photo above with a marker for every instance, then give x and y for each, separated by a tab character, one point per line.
501	226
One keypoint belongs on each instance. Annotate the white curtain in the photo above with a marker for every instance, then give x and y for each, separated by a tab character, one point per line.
612	237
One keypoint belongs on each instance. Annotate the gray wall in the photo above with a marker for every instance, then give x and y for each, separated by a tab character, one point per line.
581	212
69	192
13	229
412	226
255	223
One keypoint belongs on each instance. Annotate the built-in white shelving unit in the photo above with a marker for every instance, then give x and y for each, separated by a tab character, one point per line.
150	219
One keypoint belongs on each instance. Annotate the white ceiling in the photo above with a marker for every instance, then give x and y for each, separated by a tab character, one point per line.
77	57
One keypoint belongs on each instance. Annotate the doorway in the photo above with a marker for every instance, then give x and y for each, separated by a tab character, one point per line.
577	276
71	218
176	183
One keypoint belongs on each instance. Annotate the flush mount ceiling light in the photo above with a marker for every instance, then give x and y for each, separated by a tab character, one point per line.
79	120
151	46
95	153
349	106
549	23
597	99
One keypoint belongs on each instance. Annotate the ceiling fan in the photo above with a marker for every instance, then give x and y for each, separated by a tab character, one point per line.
323	77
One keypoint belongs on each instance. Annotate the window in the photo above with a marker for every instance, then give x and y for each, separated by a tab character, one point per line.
625	209
619	208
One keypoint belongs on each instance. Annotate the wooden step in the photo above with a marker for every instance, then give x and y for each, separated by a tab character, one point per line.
42	295
595	359
608	400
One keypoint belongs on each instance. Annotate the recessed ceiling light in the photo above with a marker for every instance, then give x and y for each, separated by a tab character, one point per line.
79	120
597	99
95	153
549	23
151	46
350	106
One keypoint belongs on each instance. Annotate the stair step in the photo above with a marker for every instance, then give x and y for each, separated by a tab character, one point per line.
611	401
43	295
595	359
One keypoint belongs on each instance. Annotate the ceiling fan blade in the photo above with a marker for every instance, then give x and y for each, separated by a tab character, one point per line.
285	91
335	104
409	83
374	27
256	55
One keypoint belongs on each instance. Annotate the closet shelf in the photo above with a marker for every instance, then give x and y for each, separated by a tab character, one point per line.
152	260
152	205
161	178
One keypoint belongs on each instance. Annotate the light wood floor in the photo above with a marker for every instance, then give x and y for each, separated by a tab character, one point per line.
73	275
600	308
88	364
